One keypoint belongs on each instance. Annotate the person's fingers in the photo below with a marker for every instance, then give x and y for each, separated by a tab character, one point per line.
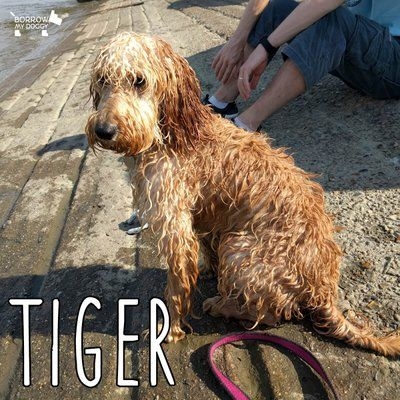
221	72
217	66
250	72
235	73
225	77
240	88
254	81
256	75
246	87
226	62
216	60
243	83
223	69
218	63
232	75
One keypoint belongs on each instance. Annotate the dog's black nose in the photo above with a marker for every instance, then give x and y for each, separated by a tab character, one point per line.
105	131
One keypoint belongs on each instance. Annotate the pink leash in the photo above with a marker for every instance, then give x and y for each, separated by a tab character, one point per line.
296	349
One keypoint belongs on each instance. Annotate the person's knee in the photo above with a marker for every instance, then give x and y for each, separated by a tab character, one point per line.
344	20
270	18
277	10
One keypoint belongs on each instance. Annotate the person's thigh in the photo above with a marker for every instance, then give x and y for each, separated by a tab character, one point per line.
321	47
372	61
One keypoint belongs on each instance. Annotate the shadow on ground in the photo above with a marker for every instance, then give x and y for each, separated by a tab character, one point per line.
67	143
180	4
108	283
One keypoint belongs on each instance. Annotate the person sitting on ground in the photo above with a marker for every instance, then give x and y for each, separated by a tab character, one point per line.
357	41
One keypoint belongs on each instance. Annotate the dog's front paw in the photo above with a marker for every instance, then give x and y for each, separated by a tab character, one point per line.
175	334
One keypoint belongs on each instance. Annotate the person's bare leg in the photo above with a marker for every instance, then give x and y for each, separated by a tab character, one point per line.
229	92
286	85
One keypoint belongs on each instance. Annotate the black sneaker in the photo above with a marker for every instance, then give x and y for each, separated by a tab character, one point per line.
229	112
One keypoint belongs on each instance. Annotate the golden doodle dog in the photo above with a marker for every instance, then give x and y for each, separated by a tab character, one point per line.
258	218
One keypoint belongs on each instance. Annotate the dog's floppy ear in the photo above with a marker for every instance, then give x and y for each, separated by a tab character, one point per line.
182	115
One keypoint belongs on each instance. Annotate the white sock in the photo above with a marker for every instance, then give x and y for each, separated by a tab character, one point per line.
240	124
215	102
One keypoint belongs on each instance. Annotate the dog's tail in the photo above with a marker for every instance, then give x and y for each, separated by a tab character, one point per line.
329	320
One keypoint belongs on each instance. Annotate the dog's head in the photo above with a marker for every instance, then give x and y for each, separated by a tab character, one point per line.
143	94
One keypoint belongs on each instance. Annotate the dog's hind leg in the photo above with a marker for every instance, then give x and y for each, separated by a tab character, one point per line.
232	308
249	287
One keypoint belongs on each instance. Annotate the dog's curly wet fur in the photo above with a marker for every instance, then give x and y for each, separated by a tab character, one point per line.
259	219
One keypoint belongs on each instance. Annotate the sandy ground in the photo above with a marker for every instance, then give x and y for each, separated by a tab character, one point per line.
61	209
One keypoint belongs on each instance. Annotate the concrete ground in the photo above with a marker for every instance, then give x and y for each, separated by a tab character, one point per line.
61	209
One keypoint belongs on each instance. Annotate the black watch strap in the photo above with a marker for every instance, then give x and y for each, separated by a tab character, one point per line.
271	50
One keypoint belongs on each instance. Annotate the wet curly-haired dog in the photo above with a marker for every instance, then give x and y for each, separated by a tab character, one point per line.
259	219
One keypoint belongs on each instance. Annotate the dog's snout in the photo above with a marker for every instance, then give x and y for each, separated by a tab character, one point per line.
105	131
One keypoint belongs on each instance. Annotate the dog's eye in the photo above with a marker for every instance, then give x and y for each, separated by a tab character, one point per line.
101	81
139	82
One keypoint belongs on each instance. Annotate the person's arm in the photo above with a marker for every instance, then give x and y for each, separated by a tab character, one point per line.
226	61
304	15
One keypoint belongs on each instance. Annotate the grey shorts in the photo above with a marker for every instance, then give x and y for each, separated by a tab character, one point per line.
357	50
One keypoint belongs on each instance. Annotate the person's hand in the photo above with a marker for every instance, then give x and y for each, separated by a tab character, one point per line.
228	60
251	71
